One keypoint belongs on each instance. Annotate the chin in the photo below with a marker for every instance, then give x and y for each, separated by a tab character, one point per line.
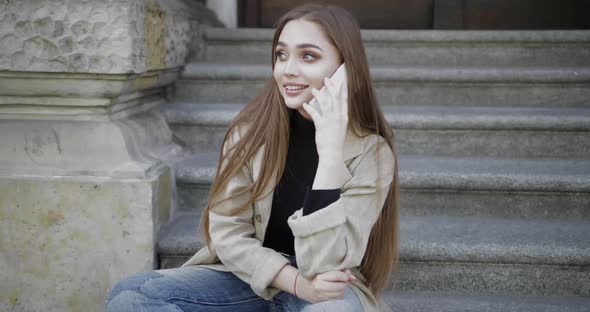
294	103
291	102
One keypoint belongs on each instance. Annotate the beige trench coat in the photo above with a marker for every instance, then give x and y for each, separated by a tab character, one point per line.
333	238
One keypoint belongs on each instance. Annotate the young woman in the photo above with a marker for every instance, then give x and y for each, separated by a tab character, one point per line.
327	172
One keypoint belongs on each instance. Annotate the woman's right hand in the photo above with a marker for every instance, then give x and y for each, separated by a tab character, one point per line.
325	286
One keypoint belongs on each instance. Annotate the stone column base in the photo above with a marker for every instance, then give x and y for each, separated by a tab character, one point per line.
81	203
66	240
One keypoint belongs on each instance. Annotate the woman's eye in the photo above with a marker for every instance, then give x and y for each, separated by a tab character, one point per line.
308	57
280	55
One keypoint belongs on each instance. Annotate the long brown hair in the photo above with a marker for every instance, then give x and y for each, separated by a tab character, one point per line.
266	123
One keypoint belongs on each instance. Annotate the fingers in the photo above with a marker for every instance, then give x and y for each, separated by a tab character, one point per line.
339	95
330	92
315	92
331	98
331	285
315	116
324	99
343	91
334	276
338	276
331	290
351	277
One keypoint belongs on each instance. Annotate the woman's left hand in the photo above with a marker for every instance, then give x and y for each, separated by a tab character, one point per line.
331	120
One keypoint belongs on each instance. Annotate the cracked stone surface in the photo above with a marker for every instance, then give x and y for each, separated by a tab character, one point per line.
112	36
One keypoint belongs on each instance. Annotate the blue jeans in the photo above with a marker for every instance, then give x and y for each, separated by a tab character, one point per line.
201	289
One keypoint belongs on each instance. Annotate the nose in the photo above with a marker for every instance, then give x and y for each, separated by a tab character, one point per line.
291	68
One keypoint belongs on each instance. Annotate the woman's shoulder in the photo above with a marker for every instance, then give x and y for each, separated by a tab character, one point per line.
378	148
372	138
239	130
236	133
373	141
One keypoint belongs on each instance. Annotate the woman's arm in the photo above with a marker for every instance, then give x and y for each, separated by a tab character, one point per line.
331	127
326	286
336	236
285	280
234	242
330	174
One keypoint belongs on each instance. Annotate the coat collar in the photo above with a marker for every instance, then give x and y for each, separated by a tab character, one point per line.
353	144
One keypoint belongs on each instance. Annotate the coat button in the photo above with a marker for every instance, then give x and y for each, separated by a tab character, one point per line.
258	218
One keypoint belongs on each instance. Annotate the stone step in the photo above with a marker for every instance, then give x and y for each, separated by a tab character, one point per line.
423	47
452	186
460	254
450	302
410	85
421	130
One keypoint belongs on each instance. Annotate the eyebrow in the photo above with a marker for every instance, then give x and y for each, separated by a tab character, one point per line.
301	46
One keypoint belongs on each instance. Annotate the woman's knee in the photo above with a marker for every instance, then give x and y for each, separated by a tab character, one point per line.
191	286
131	300
350	303
333	306
132	283
121	301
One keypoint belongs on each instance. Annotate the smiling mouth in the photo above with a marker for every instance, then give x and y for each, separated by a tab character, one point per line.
294	90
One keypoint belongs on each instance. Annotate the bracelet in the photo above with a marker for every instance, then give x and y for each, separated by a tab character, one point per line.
295	285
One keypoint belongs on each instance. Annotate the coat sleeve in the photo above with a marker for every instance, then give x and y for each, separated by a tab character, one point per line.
336	237
234	241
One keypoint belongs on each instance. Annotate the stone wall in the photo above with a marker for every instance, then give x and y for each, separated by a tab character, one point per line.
110	36
85	153
66	241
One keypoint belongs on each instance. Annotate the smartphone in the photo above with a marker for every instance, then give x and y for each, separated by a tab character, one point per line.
339	77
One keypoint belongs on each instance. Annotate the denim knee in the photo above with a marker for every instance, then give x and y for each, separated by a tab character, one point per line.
131	300
350	303
132	283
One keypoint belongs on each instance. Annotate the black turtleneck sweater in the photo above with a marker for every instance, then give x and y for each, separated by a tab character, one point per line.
294	189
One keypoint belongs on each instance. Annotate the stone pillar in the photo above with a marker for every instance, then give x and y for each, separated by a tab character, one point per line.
226	10
85	180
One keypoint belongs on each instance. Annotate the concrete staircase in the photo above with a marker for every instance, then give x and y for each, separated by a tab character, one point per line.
493	134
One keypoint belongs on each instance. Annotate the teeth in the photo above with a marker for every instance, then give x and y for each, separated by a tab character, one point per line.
294	88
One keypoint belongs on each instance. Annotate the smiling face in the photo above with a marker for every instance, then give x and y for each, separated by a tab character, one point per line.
304	57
